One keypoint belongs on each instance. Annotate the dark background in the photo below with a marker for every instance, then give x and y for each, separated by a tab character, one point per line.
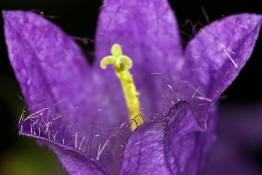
20	155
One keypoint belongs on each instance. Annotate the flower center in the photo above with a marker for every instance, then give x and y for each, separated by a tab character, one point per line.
122	64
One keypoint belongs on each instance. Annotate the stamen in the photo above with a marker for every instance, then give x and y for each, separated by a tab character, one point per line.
122	64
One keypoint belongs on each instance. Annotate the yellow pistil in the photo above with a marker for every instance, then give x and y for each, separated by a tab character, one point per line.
122	64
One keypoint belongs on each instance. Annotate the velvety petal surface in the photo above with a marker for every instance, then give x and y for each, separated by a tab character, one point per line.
77	164
68	105
219	51
174	144
213	59
148	33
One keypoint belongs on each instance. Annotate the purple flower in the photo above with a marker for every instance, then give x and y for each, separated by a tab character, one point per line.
79	111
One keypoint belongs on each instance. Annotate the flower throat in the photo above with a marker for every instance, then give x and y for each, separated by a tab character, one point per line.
122	64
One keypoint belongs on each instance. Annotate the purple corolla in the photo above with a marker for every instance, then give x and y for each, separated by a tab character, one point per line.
79	111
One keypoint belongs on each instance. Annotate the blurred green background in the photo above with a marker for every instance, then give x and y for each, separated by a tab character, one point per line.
20	155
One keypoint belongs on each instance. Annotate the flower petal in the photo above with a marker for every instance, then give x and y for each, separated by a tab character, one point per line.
77	164
68	105
148	33
41	55
144	153
219	51
239	144
173	146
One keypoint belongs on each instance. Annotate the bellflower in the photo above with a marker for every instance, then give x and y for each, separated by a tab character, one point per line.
80	111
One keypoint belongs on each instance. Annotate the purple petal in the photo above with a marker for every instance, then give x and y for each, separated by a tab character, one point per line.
68	105
148	33
238	147
77	164
41	55
176	145
219	51
144	153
